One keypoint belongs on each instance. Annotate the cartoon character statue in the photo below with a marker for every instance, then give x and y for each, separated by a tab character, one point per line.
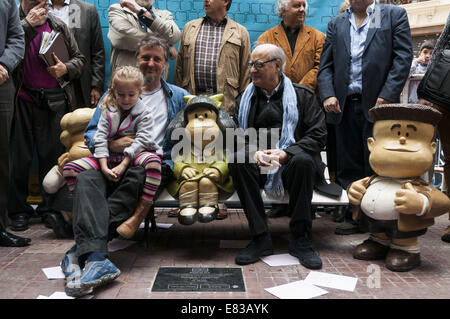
73	125
200	171
396	205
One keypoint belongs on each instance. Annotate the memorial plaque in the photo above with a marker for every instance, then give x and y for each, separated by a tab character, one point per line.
199	279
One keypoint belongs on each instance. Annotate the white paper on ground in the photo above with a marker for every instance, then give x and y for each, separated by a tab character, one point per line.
280	260
42	297
159	225
296	290
331	280
119	244
59	295
53	273
233	243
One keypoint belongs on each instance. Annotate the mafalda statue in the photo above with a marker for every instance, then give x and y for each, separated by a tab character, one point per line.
396	206
200	167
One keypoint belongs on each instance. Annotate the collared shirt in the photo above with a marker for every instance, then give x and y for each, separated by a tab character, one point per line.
61	13
291	36
358	38
207	54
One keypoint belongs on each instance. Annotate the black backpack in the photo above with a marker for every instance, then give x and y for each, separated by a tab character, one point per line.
435	85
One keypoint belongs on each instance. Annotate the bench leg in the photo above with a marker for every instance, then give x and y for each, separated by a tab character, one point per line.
150	218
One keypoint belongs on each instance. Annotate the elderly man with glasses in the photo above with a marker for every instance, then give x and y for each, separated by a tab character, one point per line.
290	110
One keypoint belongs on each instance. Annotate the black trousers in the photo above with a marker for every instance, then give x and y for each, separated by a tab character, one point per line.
298	180
352	153
6	116
100	206
35	126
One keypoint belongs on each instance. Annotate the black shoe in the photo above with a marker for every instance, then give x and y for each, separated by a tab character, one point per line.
19	222
258	247
10	240
302	249
278	210
339	214
56	222
348	228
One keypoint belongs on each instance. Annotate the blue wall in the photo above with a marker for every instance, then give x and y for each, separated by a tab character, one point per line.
256	15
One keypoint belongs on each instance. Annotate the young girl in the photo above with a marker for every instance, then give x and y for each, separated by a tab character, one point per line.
123	113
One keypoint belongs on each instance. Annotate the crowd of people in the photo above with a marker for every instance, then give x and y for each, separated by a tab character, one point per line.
296	80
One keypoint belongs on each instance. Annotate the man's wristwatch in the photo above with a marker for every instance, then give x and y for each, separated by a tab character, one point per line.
142	12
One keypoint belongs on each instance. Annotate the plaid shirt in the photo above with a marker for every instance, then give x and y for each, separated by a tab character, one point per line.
207	54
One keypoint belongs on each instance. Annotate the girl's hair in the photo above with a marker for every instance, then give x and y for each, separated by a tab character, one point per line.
122	74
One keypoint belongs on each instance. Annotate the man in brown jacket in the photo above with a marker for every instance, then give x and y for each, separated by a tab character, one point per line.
301	44
41	102
213	55
212	58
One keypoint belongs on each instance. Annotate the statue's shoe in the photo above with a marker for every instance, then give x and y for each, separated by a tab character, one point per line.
188	215
370	250
399	260
207	213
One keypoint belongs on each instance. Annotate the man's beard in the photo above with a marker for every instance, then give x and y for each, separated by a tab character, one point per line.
149	78
144	3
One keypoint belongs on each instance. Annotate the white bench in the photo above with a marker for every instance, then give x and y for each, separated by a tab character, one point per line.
318	200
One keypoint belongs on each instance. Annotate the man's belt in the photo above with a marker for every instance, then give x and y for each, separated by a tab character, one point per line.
355	97
208	91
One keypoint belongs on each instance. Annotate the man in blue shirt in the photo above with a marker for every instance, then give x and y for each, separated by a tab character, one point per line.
99	206
365	61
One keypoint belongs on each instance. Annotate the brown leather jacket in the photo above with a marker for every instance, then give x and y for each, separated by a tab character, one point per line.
302	67
233	75
74	65
439	204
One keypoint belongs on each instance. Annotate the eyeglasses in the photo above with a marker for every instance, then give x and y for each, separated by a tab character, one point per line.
258	64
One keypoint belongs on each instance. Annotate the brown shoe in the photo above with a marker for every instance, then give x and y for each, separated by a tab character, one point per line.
370	250
222	214
399	260
129	227
174	212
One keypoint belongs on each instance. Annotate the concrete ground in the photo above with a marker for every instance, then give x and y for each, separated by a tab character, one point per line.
198	245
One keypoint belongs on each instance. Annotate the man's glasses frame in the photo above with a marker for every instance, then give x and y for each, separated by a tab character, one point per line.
258	64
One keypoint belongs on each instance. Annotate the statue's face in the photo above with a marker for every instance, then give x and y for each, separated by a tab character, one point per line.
401	149
202	126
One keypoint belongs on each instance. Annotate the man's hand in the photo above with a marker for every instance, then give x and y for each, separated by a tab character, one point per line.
212	173
3	74
421	59
110	175
408	201
37	15
425	102
272	158
117	146
95	96
331	104
130	4
119	170
188	173
57	70
357	190
381	100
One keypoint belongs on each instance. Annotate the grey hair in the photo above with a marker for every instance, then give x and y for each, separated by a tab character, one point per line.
152	41
275	52
282	5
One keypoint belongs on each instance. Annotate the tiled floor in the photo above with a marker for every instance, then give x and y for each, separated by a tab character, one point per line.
198	246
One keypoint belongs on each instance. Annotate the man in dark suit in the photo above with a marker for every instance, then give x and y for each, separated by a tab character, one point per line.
365	61
84	23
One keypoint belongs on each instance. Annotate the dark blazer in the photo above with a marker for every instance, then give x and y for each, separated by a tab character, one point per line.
385	63
88	34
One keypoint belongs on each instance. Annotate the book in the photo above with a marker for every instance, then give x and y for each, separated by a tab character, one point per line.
53	42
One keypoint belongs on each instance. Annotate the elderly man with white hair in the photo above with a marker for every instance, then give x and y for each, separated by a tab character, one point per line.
301	44
273	101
